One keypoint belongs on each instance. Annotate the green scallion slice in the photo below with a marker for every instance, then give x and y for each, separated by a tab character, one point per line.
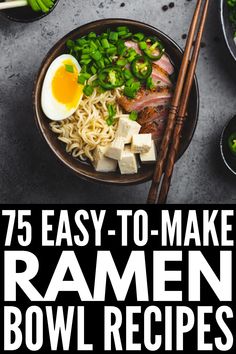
133	115
69	68
88	90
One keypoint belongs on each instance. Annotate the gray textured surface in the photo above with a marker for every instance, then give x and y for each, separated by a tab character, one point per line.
29	172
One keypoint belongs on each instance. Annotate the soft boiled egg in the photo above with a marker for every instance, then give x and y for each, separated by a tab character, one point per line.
61	92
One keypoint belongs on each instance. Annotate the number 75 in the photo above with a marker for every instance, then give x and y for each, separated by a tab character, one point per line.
18	216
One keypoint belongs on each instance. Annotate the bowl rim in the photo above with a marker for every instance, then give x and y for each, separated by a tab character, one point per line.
222	5
39	17
109	21
221	146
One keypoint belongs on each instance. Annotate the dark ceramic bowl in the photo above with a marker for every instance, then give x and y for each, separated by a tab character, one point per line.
227	28
25	14
85	170
228	158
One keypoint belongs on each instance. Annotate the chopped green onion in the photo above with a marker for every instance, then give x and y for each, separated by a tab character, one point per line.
121	62
122	28
132	88
122	33
129	92
107	61
70	43
113	37
77	48
93	70
84	69
107	56
133	115
127	74
105	43
112	112
88	90
149	83
110	121
69	68
121	48
127	35
81	79
142	45
95	83
101	64
138	37
129	82
86	51
81	41
92	35
96	55
111	51
98	43
85	56
85	61
104	35
93	45
132	54
136	86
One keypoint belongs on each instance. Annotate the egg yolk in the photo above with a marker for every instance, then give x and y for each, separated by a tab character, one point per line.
65	87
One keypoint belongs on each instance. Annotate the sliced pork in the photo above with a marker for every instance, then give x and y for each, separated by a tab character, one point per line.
134	45
156	128
151	114
163	63
153	121
160	77
152	105
146	98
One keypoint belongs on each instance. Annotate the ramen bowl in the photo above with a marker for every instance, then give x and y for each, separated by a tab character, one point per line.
83	169
25	14
229	159
227	28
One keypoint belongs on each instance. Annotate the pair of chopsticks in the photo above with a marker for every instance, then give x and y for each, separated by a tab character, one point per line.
177	115
13	4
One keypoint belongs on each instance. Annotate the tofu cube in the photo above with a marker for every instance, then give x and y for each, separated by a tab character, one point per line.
150	156
141	143
127	128
102	163
128	162
115	149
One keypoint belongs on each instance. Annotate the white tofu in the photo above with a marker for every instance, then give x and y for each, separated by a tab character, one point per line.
128	162
115	149
127	128
141	143
150	156
102	163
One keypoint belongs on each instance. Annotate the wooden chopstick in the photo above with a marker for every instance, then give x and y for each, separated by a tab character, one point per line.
13	4
182	111
159	168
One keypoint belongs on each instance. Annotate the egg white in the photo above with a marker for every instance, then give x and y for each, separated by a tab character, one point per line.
53	109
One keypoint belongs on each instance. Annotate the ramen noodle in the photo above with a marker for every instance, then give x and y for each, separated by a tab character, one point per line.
87	128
